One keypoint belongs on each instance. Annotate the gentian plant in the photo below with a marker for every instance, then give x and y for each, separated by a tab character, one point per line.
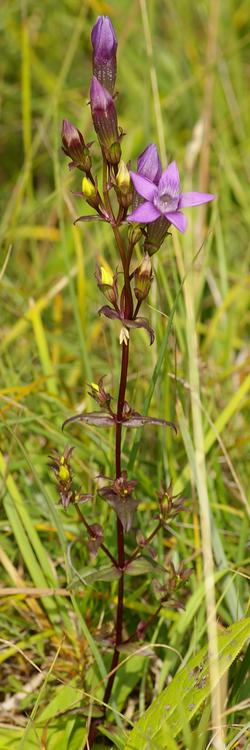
140	207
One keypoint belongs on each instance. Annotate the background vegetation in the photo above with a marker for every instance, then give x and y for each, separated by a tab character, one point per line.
183	79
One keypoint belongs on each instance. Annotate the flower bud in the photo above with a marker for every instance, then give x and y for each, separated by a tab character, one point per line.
74	147
107	283
105	120
107	277
104	52
88	189
143	277
123	178
124	188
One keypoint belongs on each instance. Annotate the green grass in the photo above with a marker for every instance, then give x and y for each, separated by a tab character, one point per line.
183	80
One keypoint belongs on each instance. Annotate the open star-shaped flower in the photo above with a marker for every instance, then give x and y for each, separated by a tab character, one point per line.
164	198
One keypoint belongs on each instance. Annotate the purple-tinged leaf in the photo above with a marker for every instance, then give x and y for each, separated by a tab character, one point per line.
137	420
109	312
93	217
141	323
138	323
96	538
123	505
94	418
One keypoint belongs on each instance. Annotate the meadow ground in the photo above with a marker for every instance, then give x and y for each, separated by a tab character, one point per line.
184	83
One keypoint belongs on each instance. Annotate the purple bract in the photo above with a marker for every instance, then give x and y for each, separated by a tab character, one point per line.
164	199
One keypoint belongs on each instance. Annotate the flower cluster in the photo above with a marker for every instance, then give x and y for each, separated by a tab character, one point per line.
155	194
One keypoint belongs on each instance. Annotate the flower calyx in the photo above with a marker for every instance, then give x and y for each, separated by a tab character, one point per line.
105	121
60	465
171	592
170	505
99	394
143	277
74	146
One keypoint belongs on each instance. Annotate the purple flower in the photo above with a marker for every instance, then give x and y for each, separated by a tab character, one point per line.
164	199
149	165
105	120
104	52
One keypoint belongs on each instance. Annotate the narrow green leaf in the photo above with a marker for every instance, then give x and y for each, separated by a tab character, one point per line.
104	573
190	687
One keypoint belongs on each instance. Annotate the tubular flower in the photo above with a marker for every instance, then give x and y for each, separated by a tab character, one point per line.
165	199
149	165
104	44
105	120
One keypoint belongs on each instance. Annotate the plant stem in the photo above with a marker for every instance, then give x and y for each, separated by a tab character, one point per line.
120	532
128	312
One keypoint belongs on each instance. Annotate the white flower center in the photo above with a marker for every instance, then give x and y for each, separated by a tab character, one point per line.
166	202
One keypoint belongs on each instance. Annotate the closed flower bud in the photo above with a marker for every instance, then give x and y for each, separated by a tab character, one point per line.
74	147
107	283
123	178
143	278
105	120
104	52
88	189
63	473
107	277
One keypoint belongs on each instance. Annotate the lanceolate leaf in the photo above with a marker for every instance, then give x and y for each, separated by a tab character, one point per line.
142	565
101	419
190	687
90	575
96	418
137	420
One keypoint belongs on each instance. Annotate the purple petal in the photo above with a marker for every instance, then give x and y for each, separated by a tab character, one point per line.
100	98
170	181
103	38
144	214
149	164
194	199
143	186
177	219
